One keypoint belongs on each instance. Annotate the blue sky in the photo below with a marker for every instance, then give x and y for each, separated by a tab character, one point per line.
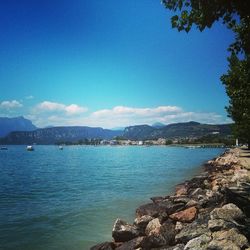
108	63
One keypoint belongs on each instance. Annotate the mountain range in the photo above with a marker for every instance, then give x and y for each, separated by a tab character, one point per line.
175	130
8	125
24	132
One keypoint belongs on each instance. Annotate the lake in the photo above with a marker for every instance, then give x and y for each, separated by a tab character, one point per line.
70	198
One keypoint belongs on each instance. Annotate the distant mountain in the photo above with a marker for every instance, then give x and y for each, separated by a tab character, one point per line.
158	125
118	128
175	130
19	132
59	134
8	125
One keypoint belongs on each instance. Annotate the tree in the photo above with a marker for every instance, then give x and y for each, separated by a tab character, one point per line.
238	89
235	14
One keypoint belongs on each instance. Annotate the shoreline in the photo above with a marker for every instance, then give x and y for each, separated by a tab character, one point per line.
210	211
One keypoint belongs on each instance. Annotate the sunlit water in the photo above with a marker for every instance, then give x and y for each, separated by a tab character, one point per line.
69	199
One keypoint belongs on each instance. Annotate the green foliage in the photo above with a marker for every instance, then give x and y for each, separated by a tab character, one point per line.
237	85
169	142
235	14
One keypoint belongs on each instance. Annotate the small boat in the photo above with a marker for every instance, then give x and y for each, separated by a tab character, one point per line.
60	147
4	148
30	148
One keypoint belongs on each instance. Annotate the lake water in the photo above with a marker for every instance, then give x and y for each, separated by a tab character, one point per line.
69	199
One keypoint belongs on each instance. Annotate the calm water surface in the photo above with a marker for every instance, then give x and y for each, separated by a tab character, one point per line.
69	199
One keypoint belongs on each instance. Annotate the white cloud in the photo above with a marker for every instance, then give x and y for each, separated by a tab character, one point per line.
75	109
121	116
10	104
142	112
71	109
57	114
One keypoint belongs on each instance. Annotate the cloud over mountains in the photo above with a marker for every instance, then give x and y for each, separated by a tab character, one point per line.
48	113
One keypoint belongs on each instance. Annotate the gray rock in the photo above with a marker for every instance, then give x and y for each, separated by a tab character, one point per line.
191	231
171	207
103	246
222	245
228	212
191	203
180	199
142	222
150	209
160	234
122	231
153	227
219	224
139	242
199	243
198	191
168	231
232	235
157	199
176	247
179	226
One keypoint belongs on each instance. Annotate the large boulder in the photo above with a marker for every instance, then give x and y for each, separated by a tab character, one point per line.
142	222
160	234
162	208
153	227
150	209
187	215
219	224
228	212
227	237
228	240
200	242
122	231
191	231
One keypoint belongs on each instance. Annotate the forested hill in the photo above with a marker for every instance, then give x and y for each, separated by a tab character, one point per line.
175	130
58	135
140	132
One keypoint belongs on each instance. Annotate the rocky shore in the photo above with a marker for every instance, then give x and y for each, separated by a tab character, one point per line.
210	211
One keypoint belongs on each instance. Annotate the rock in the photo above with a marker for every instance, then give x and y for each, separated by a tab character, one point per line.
191	203
181	189
168	231
150	209
197	191
171	207
160	234
181	199
200	242
134	244
176	247
142	222
104	246
213	199
232	235
187	215
228	212
157	199
178	226
191	231
222	245
219	224
153	227
122	231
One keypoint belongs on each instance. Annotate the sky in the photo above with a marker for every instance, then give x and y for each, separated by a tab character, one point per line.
109	64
